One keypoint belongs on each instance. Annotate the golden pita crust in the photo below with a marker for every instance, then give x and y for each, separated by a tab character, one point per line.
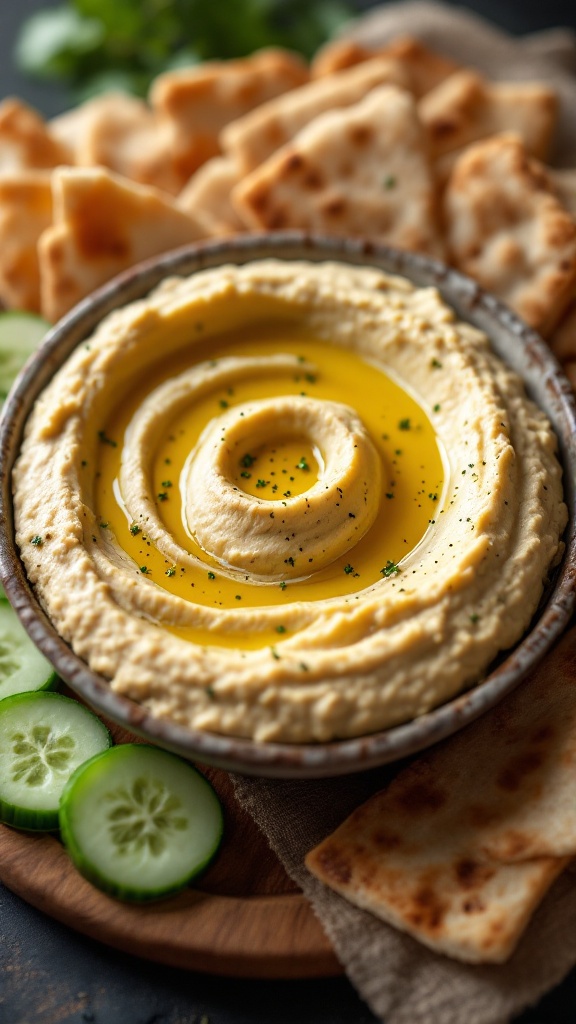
122	133
360	171
465	841
466	108
199	101
507	229
25	212
103	224
26	143
425	67
251	139
207	197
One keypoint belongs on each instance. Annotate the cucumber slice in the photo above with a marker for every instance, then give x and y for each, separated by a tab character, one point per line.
20	335
43	739
22	666
140	823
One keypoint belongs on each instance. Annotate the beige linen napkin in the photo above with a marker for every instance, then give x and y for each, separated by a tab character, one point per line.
400	979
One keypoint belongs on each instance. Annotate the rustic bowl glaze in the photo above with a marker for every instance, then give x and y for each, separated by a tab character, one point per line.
519	346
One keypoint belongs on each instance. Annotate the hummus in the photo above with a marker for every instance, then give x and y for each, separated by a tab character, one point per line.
288	501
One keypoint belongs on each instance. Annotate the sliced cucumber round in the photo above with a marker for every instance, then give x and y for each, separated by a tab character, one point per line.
43	739
22	666
140	823
20	335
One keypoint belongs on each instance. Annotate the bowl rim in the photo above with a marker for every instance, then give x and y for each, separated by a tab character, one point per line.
526	353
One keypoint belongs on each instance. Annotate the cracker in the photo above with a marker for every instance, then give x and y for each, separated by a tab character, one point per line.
207	197
25	212
425	67
466	108
26	143
103	224
122	133
507	229
252	139
460	858
360	171
201	100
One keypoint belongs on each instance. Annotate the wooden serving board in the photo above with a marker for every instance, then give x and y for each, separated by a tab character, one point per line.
244	917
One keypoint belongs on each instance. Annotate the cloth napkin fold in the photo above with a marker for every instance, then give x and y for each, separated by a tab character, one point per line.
399	979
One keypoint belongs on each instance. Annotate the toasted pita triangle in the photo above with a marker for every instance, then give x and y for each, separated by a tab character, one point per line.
507	229
462	845
425	67
25	212
122	133
465	108
207	197
102	224
251	139
26	143
359	171
199	101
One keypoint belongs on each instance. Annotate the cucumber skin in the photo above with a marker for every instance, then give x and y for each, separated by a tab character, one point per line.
92	874
38	820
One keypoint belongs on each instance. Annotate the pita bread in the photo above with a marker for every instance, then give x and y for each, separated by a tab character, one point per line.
426	68
103	224
359	171
25	212
507	229
207	197
25	141
199	101
564	182
251	139
466	108
462	845
122	133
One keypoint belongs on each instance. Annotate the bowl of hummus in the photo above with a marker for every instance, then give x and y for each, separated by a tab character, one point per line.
291	506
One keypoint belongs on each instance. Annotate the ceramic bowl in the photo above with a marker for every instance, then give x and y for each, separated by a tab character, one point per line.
519	346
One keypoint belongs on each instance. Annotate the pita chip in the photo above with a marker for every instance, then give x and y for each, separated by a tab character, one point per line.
122	133
425	67
25	212
26	143
207	197
252	139
103	224
507	229
199	101
360	171
465	108
465	841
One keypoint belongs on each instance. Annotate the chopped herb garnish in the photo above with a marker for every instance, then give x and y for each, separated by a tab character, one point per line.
282	585
280	629
436	408
37	541
211	575
104	525
162	496
262	483
390	569
245	474
474	617
389	181
171	571
210	692
144	569
435	364
302	464
404	424
134	529
166	483
223	403
247	460
348	569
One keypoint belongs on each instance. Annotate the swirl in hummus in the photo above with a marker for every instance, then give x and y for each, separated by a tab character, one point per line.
288	501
